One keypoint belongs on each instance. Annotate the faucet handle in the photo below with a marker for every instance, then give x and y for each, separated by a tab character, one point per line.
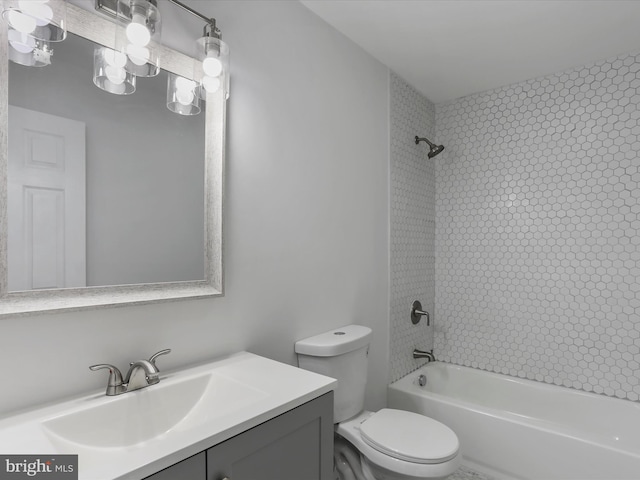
114	385
156	355
417	313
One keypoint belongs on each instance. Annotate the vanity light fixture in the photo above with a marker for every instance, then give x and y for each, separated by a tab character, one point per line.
212	61
28	51
211	67
32	26
40	19
142	33
109	73
183	95
140	38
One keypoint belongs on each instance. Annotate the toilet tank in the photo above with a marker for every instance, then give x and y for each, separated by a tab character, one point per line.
341	354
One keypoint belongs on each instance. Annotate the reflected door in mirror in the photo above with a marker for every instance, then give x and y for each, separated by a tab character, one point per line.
46	204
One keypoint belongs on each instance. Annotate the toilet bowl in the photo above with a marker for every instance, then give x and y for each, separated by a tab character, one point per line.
385	445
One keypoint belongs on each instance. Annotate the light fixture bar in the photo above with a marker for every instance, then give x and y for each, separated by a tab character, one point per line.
110	8
193	12
210	21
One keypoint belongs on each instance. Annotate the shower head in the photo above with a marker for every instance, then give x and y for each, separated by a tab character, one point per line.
435	151
433	148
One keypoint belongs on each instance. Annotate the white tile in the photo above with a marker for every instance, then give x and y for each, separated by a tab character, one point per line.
412	242
537	218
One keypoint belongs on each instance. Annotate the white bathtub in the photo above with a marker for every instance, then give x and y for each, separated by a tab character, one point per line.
511	428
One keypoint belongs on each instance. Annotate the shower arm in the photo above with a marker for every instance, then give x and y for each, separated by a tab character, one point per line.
422	139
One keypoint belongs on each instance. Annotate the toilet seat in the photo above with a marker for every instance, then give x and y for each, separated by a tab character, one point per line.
351	431
409	436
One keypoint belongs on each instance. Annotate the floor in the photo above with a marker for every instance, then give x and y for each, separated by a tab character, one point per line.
463	473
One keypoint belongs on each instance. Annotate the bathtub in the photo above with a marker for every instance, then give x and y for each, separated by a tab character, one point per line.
510	428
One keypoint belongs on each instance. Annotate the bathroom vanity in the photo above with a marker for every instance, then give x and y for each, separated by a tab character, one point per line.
240	417
292	446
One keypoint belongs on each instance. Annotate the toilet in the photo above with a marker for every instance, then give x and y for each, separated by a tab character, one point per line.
385	445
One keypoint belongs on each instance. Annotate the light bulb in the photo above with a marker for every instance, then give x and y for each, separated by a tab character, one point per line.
138	55
21	22
184	97
212	66
113	58
116	75
184	90
39	10
137	31
21	47
211	84
21	42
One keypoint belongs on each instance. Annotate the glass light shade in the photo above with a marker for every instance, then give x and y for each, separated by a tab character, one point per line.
212	65
183	95
41	19
140	38
26	50
109	73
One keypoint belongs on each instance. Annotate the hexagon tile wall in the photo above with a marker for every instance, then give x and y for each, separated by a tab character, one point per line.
412	224
538	229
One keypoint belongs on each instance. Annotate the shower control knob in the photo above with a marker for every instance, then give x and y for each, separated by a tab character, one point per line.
417	313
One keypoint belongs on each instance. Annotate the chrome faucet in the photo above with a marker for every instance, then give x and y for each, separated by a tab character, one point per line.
141	374
422	354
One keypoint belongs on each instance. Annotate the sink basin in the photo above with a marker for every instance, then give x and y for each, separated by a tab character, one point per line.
142	415
133	417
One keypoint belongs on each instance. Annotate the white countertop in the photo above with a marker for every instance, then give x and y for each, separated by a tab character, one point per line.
271	387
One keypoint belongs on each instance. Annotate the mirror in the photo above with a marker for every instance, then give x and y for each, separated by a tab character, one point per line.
132	191
147	225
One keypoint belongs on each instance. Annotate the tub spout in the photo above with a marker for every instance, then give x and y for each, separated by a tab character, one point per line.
422	354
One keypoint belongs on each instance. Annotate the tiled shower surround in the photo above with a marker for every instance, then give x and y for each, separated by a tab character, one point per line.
413	209
537	246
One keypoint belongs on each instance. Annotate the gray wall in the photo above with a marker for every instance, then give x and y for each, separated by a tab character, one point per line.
538	229
306	225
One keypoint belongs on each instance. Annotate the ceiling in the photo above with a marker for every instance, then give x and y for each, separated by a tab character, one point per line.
448	49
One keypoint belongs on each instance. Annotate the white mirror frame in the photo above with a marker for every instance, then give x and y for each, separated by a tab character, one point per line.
100	30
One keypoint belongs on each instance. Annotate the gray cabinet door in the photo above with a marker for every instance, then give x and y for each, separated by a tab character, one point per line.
193	468
297	445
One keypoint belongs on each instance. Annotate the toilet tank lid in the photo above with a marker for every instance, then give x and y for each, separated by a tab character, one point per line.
335	342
